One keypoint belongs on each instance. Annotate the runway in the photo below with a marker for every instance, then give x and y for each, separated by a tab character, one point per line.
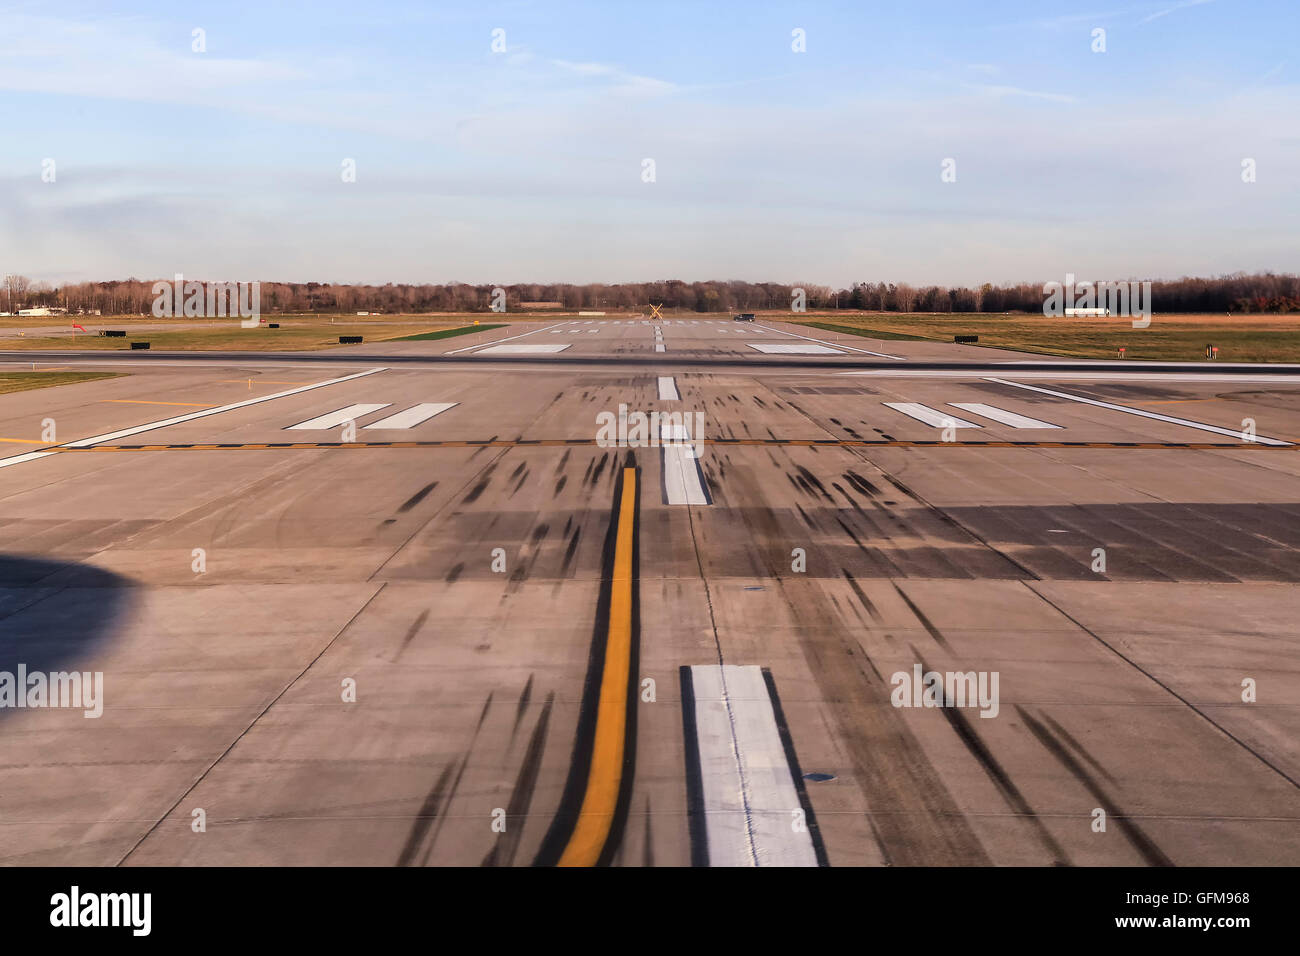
406	604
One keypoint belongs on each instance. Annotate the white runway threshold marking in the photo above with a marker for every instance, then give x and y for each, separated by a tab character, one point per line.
1001	415
668	389
931	416
508	338
794	349
1155	416
752	812
523	349
851	348
414	415
19	459
189	417
340	415
683	482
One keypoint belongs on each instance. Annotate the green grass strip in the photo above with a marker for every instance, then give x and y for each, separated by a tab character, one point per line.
23	381
866	333
448	333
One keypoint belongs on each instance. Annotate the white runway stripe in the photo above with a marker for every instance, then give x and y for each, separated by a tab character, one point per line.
749	796
668	389
191	416
660	348
19	459
507	339
794	348
683	483
340	415
924	413
1001	415
1155	416
838	345
207	412
414	415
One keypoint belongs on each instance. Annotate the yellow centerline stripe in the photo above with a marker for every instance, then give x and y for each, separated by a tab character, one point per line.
605	775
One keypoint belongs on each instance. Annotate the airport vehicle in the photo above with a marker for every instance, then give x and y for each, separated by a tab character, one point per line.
744	317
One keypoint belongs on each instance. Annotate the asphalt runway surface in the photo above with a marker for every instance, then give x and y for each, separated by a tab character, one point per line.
463	602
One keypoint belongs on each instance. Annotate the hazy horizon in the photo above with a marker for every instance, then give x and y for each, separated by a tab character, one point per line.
526	166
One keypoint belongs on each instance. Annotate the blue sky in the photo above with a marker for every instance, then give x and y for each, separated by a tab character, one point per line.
526	166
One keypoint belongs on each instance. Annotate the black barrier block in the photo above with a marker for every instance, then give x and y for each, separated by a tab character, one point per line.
139	345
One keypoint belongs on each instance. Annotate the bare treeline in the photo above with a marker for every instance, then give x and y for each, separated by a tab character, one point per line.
1264	292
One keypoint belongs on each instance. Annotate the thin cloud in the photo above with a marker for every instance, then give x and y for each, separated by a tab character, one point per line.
1004	91
1274	71
1062	22
1168	10
620	79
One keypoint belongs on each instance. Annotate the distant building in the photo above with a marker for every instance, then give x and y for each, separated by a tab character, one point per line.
43	310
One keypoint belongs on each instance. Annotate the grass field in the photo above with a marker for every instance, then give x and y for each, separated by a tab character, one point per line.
1169	338
296	333
22	381
1244	338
